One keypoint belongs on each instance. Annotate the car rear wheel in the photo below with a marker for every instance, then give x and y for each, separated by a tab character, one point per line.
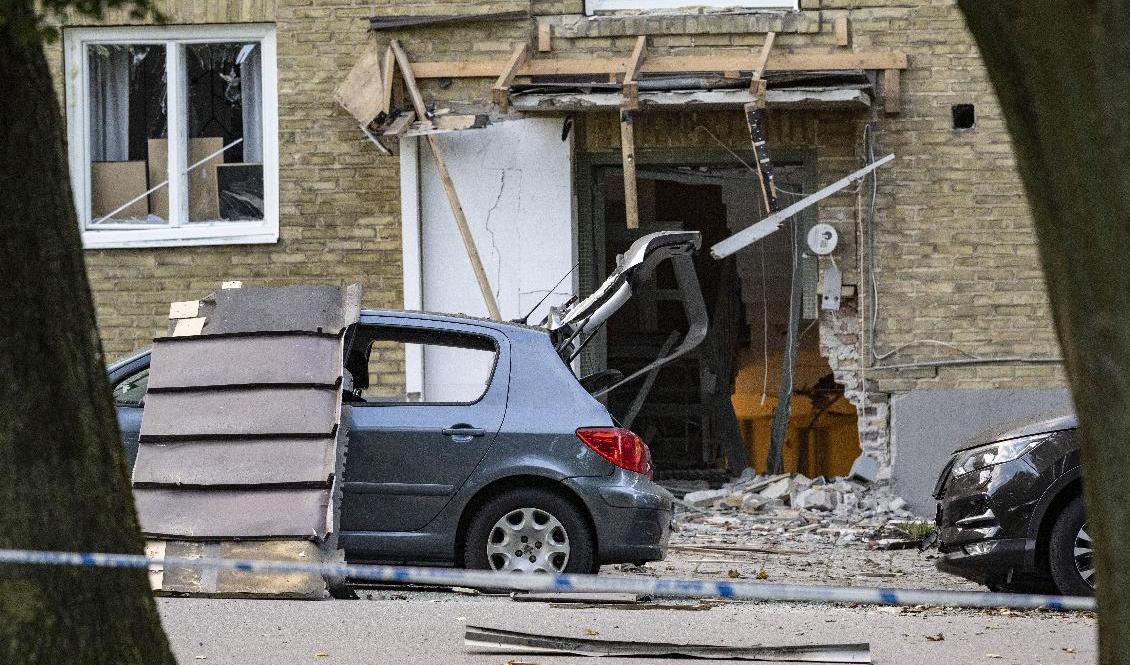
1070	553
529	531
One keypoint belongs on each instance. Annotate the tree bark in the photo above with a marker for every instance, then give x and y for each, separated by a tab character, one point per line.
1062	70
63	481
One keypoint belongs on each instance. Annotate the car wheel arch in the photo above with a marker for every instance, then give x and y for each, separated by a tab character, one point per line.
1061	492
501	485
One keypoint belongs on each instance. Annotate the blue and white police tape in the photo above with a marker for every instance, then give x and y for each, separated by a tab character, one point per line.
652	586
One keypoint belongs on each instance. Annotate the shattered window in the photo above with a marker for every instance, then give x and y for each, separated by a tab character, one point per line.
130	390
225	145
173	133
126	115
375	367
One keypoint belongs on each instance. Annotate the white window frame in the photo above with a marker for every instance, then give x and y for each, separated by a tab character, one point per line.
593	6
178	232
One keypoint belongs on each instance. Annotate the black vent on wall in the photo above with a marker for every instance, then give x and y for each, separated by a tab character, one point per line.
964	116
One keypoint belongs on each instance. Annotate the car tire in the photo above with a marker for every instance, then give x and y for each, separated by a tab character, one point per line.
1068	532
537	513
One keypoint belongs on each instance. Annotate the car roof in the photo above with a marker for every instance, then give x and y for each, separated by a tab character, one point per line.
504	326
508	328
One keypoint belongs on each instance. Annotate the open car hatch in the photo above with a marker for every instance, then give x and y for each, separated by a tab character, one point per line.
575	324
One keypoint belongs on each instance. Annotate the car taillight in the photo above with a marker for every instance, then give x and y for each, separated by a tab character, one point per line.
619	445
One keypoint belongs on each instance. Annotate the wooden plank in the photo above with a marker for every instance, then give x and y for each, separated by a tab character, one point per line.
763	57
892	102
631	85
400	124
756	82
779	62
448	186
408	72
628	150
388	77
841	27
193	580
545	37
500	92
361	92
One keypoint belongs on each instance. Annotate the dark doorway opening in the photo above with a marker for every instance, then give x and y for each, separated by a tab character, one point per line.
704	415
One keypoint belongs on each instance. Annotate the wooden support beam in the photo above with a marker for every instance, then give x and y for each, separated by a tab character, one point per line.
778	62
545	37
892	102
763	57
400	124
408	72
388	79
631	89
628	150
501	90
841	26
756	82
448	185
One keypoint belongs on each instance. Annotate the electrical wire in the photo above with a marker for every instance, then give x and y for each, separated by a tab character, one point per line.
868	340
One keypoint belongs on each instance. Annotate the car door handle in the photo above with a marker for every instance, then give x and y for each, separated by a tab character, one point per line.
463	433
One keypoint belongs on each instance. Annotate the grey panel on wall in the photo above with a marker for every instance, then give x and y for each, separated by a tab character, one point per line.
242	412
283	461
189	514
275	358
928	425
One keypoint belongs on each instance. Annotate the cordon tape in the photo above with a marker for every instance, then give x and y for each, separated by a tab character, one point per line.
652	586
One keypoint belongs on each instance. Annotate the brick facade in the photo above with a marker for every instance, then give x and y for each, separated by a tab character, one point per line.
955	254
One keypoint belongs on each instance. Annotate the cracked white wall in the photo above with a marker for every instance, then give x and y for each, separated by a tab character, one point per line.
514	180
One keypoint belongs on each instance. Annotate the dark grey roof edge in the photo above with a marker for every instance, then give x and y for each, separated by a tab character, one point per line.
377	23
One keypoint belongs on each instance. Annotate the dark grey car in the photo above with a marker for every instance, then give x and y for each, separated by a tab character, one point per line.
1010	510
502	459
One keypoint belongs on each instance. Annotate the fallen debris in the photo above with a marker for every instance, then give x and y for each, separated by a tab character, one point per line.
579	598
478	639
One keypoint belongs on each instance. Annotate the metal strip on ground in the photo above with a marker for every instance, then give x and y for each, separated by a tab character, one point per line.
659	587
478	639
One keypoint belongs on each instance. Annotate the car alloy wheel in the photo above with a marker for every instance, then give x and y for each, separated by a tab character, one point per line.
1083	554
1070	557
528	540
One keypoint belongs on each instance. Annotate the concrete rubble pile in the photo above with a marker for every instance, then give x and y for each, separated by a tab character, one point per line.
796	508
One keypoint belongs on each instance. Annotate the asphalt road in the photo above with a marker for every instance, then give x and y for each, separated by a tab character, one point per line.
404	627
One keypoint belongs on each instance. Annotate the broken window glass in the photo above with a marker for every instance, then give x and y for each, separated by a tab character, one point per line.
375	366
223	84
130	390
127	112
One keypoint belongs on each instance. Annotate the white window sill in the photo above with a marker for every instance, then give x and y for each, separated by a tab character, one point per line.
226	234
686	7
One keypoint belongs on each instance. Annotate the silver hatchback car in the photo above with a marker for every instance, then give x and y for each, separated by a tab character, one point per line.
508	461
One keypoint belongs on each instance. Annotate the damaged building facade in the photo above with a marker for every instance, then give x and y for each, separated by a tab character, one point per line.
940	326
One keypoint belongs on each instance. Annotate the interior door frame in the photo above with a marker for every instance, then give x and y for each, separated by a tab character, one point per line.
589	204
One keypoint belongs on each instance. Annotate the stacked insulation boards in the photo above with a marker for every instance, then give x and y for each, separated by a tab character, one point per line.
242	441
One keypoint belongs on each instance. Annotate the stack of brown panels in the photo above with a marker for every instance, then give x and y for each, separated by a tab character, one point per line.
242	441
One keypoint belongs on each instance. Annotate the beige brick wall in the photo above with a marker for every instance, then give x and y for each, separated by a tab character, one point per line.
338	197
956	254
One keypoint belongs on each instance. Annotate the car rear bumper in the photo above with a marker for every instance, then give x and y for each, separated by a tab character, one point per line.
631	514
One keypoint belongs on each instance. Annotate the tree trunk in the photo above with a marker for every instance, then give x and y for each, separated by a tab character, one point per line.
63	481
1062	70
